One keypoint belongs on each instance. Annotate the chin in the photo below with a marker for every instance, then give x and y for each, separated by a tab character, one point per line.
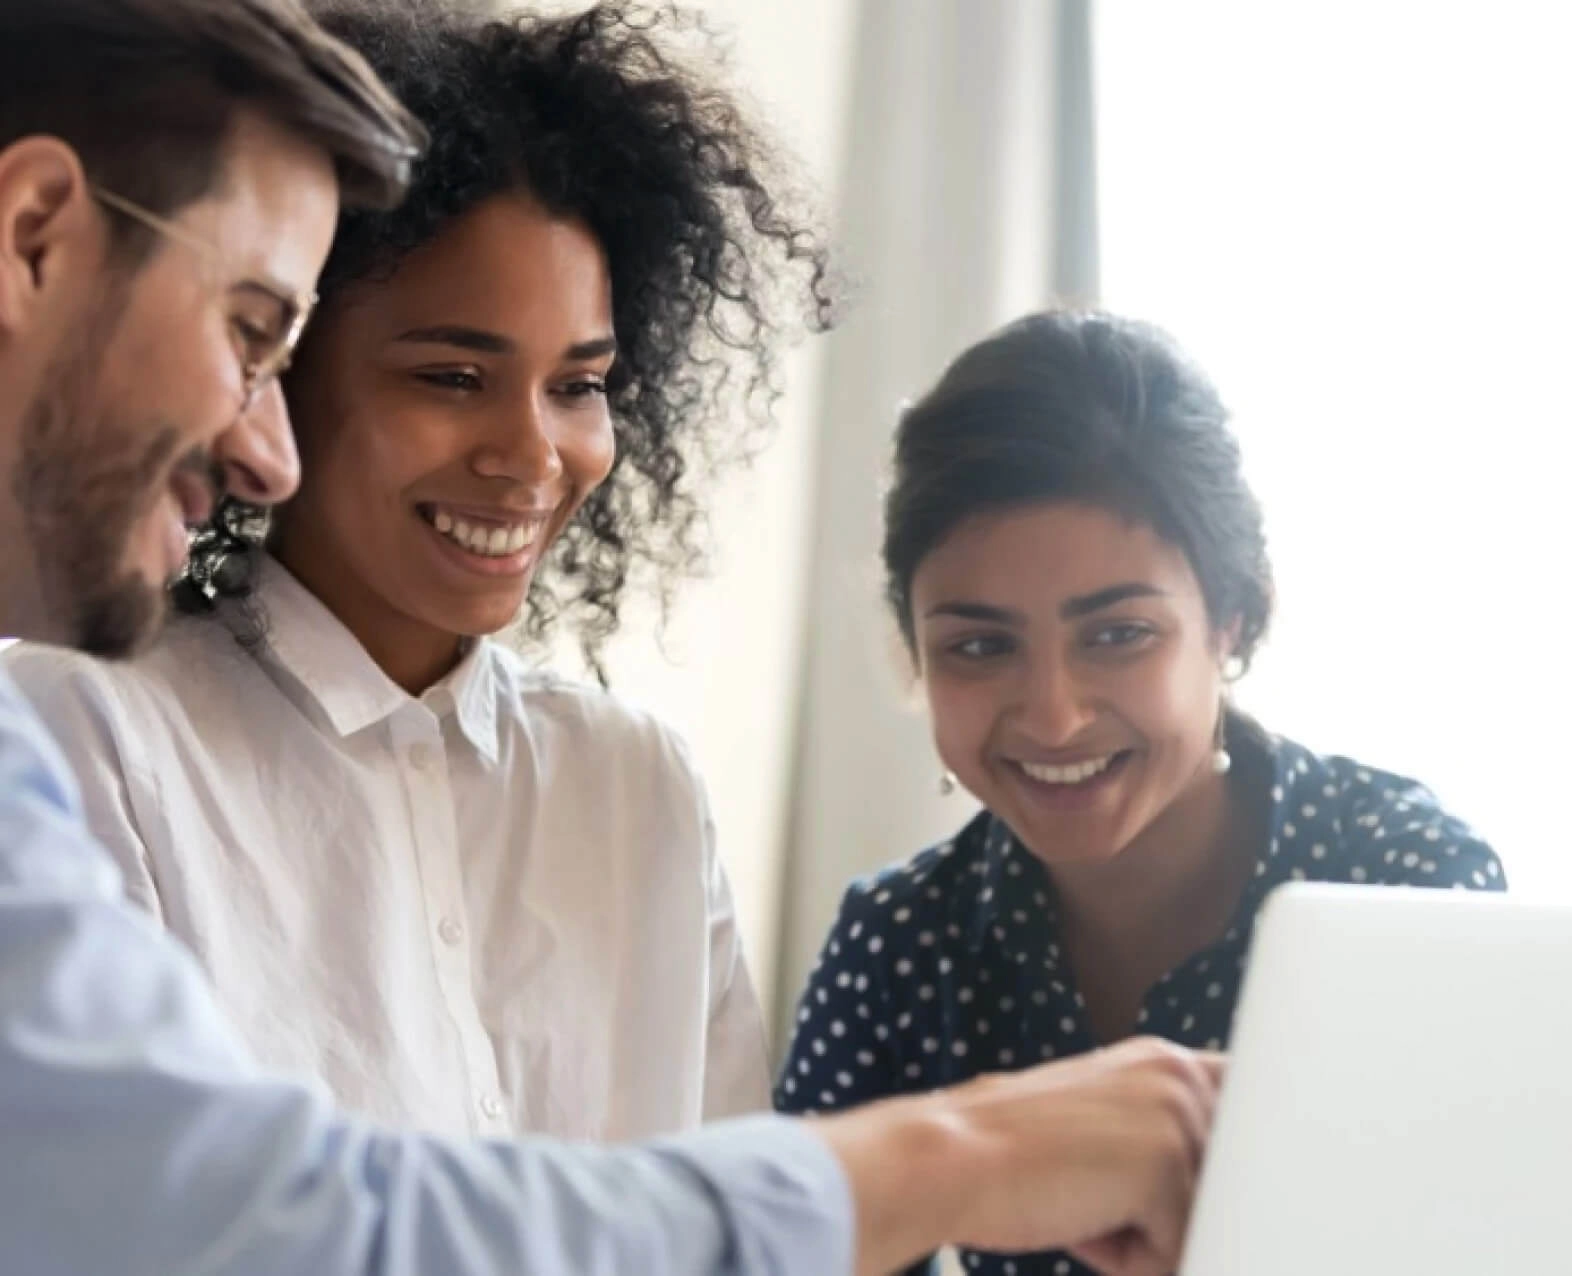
477	619
120	620
1071	854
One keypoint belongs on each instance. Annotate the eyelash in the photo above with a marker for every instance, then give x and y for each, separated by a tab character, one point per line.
1001	645
250	335
583	388
1106	639
468	381
462	380
1138	634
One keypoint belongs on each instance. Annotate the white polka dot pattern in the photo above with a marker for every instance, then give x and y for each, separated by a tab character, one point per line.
948	965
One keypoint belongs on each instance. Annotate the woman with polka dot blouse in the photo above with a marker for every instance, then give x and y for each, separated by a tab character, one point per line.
1079	571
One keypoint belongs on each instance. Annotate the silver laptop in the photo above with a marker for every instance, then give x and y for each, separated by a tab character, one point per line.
1399	1097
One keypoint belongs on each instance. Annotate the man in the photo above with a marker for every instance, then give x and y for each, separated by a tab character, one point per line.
170	175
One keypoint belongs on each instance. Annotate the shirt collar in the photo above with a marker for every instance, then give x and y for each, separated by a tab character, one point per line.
471	690
1297	796
998	850
340	678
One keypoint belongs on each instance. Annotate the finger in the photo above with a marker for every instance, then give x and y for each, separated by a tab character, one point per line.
1161	1229
1184	1111
1205	1069
1194	1095
1122	1254
1215	1066
1168	1221
1105	1255
1165	1178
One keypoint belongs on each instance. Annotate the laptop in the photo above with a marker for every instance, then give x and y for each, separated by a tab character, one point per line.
1399	1096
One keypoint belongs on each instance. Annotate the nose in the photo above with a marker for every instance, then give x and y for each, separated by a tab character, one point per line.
520	446
257	453
1054	707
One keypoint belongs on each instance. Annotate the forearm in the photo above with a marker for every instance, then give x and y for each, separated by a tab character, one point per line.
141	1141
910	1164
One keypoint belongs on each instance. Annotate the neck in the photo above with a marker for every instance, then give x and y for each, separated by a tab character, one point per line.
413	654
1190	864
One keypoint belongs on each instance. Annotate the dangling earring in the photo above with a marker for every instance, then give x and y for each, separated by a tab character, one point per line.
1222	760
947	784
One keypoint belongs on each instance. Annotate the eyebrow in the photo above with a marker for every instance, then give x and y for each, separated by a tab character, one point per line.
1070	609
977	611
483	342
1087	604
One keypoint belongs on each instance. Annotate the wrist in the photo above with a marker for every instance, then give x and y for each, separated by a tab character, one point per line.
914	1166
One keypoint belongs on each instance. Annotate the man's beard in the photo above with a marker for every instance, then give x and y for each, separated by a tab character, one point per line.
83	484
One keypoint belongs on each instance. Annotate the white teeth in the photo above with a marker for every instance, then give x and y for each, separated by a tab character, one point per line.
1076	774
491	542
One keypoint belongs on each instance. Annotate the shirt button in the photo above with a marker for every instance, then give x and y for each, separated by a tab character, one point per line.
451	930
492	1107
420	757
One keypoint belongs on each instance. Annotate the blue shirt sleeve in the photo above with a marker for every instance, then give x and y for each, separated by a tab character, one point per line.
842	1052
140	1138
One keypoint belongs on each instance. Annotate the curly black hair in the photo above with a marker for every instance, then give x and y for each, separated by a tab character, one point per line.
600	119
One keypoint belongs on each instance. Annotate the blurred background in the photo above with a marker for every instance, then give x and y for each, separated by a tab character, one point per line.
1355	216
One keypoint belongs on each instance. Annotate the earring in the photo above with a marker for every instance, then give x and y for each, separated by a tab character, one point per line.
1222	760
947	784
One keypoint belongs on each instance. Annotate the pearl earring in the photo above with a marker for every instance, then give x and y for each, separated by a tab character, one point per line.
1222	760
947	784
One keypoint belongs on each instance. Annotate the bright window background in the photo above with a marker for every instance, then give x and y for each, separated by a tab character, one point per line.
1357	218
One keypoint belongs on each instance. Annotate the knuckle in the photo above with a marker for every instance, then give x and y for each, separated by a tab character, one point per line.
1170	1060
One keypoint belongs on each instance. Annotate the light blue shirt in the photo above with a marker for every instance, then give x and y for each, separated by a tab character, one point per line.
138	1138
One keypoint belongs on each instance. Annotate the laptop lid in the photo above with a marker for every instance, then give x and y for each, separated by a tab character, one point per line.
1399	1096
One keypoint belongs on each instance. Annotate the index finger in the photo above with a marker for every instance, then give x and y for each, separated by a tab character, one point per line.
1214	1063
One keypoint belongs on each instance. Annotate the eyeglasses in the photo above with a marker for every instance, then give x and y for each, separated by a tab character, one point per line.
266	337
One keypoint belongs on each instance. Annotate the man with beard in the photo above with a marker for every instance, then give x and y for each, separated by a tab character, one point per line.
170	176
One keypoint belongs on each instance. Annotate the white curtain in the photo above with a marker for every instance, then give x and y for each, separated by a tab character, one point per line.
967	198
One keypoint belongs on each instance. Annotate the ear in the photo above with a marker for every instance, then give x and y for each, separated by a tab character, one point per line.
46	225
1226	643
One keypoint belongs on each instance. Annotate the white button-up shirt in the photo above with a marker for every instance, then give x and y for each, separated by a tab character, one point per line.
493	909
141	1139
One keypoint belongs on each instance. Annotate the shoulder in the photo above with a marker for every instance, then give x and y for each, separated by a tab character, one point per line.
191	658
55	680
30	760
41	808
1389	828
941	884
586	721
600	764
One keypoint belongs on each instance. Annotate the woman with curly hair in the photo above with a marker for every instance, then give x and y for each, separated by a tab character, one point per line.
464	894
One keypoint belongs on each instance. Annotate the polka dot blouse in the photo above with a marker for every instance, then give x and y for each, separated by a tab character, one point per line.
948	966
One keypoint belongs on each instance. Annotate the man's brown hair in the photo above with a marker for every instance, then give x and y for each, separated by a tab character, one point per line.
145	92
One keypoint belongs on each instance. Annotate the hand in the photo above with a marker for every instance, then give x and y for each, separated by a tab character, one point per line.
1098	1155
